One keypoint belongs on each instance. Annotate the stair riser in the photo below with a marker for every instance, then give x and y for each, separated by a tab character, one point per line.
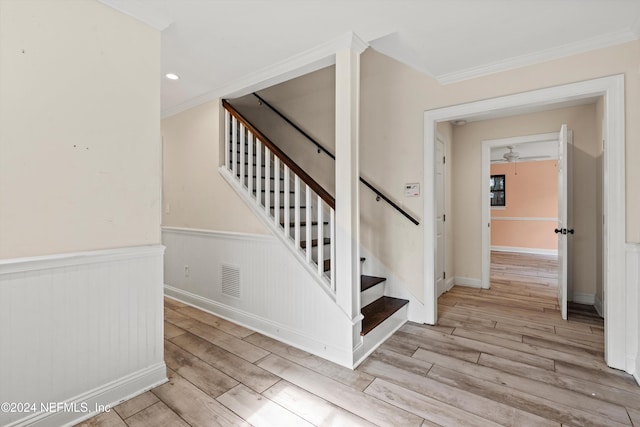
371	294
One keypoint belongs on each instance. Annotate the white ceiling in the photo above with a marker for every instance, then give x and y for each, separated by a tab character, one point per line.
215	45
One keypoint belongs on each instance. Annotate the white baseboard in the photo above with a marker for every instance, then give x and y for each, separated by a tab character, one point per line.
582	298
280	332
597	304
534	251
468	282
100	399
449	284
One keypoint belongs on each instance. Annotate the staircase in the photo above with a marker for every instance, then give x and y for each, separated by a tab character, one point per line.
302	214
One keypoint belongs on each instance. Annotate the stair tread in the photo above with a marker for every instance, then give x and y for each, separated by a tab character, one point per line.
367	282
314	242
379	311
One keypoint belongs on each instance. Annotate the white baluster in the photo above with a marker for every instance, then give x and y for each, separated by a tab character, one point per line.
267	180
234	147
320	236
296	211
307	192
250	164
242	151
259	171
227	142
332	249
287	201
276	189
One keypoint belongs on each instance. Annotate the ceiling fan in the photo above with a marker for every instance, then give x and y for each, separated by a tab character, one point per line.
513	156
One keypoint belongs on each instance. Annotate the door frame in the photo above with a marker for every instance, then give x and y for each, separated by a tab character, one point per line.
618	322
487	145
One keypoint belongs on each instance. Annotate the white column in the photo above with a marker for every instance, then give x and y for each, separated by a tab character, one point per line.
347	216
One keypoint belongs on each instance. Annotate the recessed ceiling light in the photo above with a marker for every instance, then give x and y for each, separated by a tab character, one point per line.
172	76
459	122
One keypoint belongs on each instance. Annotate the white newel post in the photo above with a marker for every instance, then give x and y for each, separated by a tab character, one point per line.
347	212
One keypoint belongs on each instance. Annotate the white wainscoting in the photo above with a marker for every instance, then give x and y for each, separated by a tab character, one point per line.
85	329
272	284
633	305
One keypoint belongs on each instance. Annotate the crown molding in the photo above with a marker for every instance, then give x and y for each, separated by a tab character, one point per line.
295	66
141	12
603	41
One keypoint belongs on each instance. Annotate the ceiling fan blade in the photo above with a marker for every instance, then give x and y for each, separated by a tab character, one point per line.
499	161
533	158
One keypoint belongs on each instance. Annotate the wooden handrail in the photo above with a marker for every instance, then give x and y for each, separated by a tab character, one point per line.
317	188
320	147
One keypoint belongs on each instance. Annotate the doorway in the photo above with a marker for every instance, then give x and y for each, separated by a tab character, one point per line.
617	324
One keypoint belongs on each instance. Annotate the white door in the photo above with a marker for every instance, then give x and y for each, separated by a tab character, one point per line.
564	230
440	216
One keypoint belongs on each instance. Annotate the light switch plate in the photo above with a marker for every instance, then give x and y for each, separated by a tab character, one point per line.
412	189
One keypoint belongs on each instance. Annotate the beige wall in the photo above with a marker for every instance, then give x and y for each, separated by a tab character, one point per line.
467	143
79	129
194	193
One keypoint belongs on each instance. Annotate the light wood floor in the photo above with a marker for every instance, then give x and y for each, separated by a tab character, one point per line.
498	357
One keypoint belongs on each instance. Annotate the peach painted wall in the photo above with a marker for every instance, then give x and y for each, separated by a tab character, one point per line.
531	194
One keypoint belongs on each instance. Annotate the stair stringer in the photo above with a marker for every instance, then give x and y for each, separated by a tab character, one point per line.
352	327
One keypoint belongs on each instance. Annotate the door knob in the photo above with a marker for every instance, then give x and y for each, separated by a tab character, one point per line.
571	231
557	230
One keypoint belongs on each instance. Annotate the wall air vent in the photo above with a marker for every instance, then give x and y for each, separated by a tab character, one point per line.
230	280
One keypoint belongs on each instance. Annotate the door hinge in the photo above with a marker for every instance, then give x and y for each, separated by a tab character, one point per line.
444	160
444	274
444	217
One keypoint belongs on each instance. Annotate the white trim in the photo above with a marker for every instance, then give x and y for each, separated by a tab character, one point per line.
262	325
521	218
297	65
219	233
515	249
582	298
619	321
597	304
598	42
20	265
449	284
108	395
468	282
141	12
